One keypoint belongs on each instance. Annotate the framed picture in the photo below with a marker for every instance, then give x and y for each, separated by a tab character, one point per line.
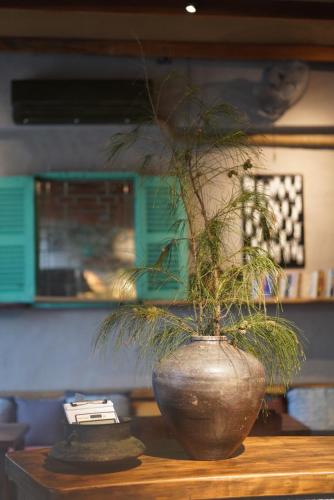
285	197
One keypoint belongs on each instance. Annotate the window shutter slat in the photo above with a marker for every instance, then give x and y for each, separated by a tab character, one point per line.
158	223
17	253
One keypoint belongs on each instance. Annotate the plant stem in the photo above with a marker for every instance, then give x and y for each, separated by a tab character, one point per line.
215	270
196	303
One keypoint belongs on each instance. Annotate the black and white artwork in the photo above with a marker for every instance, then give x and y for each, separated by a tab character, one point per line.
285	198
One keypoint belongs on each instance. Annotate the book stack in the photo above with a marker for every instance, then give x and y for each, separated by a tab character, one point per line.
307	285
319	284
300	285
329	288
290	285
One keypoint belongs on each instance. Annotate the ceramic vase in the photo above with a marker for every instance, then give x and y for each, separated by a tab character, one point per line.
210	394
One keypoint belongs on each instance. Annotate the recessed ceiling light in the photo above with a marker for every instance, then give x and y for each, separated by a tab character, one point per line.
190	8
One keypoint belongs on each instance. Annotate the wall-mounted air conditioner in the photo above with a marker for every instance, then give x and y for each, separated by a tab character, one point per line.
79	101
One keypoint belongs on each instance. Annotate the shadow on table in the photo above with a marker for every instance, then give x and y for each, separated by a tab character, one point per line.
54	465
169	448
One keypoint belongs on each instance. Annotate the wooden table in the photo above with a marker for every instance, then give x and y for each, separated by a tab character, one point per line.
276	424
11	436
272	465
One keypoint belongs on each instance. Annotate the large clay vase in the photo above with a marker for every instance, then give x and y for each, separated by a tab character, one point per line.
210	393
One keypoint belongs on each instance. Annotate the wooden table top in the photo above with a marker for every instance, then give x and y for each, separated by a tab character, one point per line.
273	465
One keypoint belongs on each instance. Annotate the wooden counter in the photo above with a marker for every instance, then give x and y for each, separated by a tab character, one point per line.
274	465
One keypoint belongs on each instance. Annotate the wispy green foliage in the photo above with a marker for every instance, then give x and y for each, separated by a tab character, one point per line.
156	331
263	336
203	147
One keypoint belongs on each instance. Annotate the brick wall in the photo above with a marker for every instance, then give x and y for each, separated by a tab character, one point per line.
93	202
83	227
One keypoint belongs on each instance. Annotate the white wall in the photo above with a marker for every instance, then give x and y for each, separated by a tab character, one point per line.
51	349
317	168
54	349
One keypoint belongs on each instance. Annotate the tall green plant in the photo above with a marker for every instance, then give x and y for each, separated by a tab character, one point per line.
225	274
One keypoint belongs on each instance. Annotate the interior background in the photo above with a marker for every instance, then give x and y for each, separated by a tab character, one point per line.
52	349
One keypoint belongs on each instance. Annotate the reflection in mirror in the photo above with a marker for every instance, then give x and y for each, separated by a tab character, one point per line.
85	239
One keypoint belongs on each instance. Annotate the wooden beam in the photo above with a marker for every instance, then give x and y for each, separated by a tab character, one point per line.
157	48
304	137
313	141
284	9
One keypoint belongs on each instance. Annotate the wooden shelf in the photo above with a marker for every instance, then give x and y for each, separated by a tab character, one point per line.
51	298
75	302
300	300
269	301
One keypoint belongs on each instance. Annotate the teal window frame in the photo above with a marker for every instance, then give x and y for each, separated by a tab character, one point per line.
142	239
17	240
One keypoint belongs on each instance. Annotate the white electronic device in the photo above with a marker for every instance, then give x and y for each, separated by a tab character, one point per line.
91	412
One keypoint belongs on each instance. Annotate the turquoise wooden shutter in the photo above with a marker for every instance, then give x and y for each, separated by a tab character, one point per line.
155	228
17	252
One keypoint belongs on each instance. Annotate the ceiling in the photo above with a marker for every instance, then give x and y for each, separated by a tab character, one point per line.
306	9
179	27
219	27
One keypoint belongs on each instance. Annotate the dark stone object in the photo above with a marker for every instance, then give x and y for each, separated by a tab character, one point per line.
97	444
210	393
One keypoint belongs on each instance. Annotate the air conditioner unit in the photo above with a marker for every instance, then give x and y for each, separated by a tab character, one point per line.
79	101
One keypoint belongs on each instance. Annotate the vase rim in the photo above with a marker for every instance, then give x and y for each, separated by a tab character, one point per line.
209	338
